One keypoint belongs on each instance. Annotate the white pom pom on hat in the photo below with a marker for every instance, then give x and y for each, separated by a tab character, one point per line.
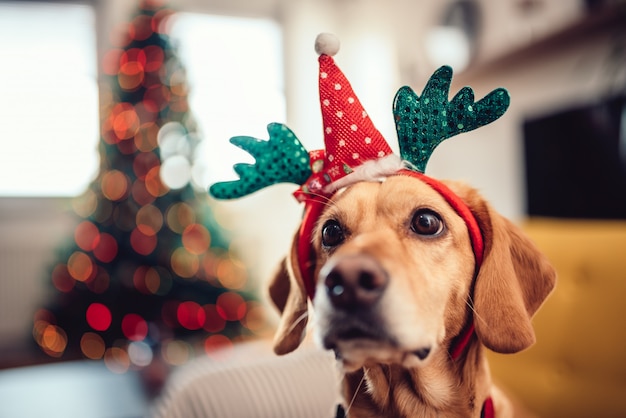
326	44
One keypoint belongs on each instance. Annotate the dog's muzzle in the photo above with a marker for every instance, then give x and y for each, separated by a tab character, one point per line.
353	285
354	282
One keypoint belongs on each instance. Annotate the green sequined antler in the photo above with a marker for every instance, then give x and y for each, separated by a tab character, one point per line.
281	159
424	122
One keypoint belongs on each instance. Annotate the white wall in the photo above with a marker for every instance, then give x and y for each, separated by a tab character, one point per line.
30	230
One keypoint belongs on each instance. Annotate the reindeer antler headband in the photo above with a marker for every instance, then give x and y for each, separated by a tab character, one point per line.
353	145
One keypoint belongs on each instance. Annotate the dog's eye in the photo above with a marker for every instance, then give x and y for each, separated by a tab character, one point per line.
426	222
332	234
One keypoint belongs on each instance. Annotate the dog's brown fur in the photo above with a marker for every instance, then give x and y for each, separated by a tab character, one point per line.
430	297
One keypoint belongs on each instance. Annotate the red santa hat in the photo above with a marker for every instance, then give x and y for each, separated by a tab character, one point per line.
352	142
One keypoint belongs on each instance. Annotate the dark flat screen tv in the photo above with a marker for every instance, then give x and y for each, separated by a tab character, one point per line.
575	162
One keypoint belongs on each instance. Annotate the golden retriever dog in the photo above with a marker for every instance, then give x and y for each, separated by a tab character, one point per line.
409	278
400	300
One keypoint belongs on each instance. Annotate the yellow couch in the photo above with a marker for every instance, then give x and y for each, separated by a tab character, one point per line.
577	368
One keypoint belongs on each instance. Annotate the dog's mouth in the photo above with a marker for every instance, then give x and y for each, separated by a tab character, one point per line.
359	343
354	332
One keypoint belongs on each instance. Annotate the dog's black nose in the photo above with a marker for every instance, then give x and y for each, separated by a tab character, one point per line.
354	281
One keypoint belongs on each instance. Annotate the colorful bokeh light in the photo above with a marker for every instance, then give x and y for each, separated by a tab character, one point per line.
196	239
214	322
117	360
87	235
80	266
114	185
143	240
176	352
231	306
190	315
184	263
134	327
92	345
218	347
106	248
98	316
148	271
61	278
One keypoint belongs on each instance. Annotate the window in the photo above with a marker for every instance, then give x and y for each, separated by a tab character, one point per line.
235	76
48	99
49	120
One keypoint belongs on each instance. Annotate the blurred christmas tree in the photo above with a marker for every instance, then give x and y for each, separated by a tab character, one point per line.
148	270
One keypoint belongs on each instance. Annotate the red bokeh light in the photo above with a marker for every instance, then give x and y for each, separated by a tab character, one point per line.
144	162
141	28
98	316
61	278
134	327
141	242
87	235
134	55
154	57
106	249
231	306
140	194
214	321
190	315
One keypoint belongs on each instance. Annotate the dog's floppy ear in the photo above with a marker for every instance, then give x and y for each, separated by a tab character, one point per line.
288	293
512	283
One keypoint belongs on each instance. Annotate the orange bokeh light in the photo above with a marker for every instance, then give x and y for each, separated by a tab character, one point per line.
256	318
116	359
87	235
92	345
184	263
146	137
154	184
52	339
179	216
151	217
131	76
218	347
80	266
196	239
231	274
114	185
124	120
